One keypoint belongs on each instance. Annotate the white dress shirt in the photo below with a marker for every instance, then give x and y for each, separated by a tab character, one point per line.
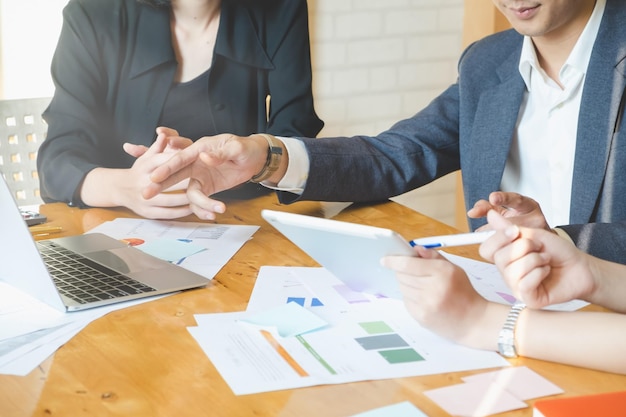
541	160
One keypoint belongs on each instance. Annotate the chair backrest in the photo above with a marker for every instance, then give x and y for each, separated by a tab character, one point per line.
22	129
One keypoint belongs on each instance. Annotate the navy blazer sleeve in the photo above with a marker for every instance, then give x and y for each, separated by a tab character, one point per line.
604	240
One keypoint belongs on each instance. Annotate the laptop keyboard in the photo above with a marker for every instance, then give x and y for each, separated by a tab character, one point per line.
83	280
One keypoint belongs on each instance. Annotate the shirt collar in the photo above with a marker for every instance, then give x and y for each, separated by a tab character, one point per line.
578	58
237	39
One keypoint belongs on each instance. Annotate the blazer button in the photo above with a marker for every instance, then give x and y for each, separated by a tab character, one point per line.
220	106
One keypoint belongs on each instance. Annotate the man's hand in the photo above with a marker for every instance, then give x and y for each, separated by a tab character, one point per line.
520	210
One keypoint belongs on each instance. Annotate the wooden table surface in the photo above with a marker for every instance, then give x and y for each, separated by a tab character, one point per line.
141	361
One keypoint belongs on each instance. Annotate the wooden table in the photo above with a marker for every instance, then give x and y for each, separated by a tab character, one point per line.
141	361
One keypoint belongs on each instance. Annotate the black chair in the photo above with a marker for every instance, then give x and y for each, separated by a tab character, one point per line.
22	129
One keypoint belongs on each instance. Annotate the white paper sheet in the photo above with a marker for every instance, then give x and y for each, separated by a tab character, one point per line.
221	241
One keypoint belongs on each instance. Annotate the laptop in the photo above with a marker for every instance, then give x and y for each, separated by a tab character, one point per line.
80	272
350	251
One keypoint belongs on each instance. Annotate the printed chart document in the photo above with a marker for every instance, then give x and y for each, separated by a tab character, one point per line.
365	338
209	246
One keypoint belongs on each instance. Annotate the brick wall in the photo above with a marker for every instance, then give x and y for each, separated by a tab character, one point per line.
376	62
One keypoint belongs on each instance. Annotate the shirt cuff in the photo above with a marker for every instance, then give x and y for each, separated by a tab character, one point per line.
297	173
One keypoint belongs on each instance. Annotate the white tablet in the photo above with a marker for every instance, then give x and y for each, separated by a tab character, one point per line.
350	251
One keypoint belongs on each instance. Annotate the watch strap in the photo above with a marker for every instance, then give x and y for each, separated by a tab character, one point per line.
506	337
274	155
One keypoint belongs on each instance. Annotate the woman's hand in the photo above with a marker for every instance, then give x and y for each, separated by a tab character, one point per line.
439	295
105	187
540	267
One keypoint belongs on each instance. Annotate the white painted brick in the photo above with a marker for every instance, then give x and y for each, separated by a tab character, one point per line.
425	75
332	111
323	26
374	106
331	6
411	22
350	81
433	46
380	5
328	55
384	78
361	25
450	20
375	51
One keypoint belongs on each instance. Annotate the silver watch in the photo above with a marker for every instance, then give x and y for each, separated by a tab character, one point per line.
506	338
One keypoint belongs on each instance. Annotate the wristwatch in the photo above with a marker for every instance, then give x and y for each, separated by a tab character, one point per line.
506	338
274	154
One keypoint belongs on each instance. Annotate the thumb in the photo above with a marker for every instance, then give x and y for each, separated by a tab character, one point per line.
497	221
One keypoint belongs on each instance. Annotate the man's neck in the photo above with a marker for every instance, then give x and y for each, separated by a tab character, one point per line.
554	48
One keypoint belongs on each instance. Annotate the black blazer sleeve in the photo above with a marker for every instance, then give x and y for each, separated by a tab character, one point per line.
291	105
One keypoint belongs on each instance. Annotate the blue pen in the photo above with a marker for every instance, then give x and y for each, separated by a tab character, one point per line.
452	240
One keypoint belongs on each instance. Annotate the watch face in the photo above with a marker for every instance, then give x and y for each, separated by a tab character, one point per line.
507	350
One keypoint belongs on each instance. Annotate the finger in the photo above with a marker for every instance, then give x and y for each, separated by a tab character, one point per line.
509	254
166	131
521	269
157	147
513	201
480	209
179	186
178	142
203	206
427	253
170	199
507	232
498	221
154	188
134	150
167	212
531	290
412	268
176	163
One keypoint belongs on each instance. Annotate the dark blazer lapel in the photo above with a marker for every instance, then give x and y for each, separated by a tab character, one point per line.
488	147
238	39
605	85
153	42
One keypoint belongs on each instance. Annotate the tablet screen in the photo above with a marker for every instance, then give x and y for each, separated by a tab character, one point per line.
350	251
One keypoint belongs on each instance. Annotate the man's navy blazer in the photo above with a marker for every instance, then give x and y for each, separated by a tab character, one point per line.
470	127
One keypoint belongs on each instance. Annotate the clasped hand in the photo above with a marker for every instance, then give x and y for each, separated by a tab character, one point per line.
212	164
171	202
